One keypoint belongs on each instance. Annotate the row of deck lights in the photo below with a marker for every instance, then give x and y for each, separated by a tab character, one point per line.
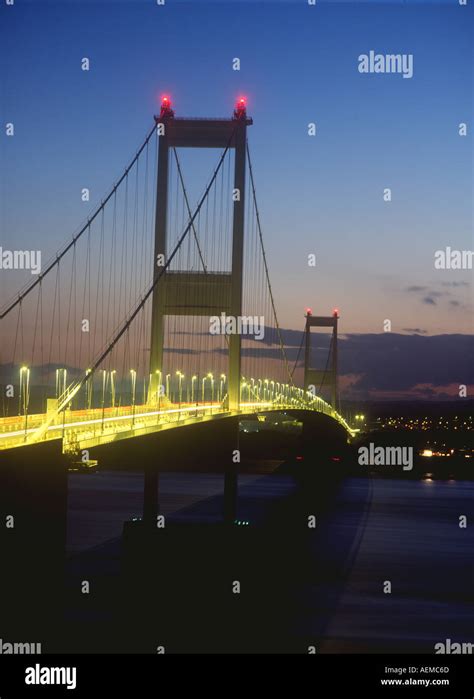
261	389
166	388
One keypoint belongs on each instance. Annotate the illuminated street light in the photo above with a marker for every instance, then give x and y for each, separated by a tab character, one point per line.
112	387
24	393
88	389
180	386
212	388
133	374
158	384
193	379
221	387
104	383
158	388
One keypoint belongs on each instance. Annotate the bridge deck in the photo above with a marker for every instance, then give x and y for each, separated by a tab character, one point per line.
86	428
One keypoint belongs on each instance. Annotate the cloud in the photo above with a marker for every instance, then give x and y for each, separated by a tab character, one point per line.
393	362
388	363
415	289
429	296
455	284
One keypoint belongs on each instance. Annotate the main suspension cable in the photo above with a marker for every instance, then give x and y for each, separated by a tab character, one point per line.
59	255
259	227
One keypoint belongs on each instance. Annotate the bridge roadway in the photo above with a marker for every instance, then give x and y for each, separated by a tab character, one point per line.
82	429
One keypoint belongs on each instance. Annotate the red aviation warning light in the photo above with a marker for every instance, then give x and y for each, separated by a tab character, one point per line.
336	313
166	106
309	311
240	108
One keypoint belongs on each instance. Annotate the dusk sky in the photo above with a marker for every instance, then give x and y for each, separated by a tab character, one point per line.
321	194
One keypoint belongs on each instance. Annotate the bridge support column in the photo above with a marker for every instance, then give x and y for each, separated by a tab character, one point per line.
231	473
158	299
33	517
237	260
335	391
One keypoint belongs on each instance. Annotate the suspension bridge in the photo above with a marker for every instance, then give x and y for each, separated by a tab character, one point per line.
157	313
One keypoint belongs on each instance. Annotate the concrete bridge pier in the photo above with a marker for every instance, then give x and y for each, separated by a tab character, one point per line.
151	505
205	447
33	523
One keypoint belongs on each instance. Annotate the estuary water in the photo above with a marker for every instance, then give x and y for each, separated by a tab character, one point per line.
391	568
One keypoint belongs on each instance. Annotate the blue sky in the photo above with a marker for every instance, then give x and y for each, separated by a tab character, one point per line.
319	195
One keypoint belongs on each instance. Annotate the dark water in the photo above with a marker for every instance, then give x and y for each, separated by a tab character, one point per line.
379	532
409	535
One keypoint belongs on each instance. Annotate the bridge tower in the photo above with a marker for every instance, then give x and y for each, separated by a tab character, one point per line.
217	293
319	377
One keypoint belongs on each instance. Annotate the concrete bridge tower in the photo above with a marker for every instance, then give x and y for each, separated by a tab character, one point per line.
176	292
319	377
